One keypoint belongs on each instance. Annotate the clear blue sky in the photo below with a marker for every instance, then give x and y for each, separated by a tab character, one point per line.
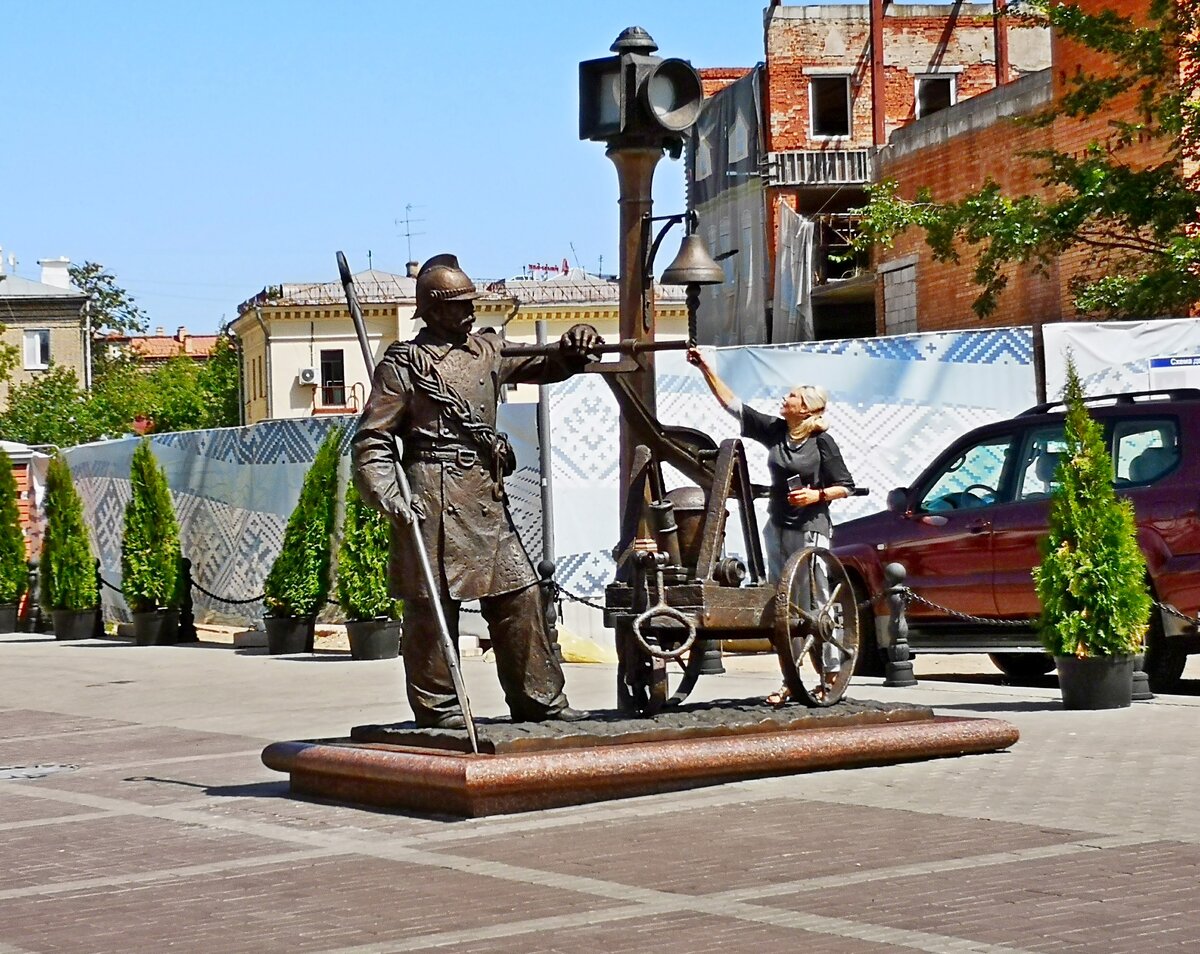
202	151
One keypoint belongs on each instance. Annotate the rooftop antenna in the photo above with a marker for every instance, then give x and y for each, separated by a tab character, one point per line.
369	265
575	255
407	222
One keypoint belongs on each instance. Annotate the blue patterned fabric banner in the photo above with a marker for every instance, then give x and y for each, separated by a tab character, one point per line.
235	488
894	402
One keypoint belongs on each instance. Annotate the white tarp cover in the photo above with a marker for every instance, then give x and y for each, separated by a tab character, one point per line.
1115	356
792	315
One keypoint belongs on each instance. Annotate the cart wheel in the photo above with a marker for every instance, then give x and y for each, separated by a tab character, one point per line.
816	627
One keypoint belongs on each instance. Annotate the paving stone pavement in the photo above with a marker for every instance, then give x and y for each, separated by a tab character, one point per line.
136	816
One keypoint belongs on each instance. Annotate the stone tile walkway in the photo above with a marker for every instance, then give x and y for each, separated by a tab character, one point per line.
154	826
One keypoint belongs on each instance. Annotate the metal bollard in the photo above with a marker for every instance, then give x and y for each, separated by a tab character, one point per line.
545	570
31	622
899	668
1141	681
98	625
187	614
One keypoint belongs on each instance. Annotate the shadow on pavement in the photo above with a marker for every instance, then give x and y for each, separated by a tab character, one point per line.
1047	705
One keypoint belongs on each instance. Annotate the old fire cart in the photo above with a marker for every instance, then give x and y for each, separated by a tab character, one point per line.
676	594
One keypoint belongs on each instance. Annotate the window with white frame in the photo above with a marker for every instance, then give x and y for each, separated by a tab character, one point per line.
934	93
829	100
37	349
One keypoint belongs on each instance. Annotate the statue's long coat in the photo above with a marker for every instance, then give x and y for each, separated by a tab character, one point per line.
468	534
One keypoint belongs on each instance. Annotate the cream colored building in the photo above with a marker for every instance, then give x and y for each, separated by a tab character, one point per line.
43	320
300	355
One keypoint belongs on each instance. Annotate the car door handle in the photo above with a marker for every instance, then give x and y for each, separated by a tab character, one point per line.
979	526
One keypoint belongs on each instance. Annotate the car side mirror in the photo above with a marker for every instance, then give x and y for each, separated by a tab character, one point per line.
897	500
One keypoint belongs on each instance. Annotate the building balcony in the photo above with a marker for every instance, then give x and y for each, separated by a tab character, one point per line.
820	167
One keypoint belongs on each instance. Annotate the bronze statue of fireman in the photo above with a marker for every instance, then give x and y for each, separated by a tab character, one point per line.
438	395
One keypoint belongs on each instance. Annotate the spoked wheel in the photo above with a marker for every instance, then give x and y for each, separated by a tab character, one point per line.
816	627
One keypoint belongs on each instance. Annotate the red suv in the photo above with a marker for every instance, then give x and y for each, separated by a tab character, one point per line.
967	532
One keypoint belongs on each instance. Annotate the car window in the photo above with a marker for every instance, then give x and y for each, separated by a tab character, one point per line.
1144	450
1042	452
971	479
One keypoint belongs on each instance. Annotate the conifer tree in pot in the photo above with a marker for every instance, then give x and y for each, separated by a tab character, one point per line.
14	570
298	584
372	616
150	552
1091	581
68	569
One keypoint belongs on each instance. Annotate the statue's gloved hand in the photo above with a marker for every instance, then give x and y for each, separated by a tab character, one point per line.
398	511
580	341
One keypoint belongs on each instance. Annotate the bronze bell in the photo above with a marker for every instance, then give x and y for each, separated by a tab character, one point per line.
693	265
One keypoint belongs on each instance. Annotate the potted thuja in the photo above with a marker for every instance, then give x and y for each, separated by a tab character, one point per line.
1091	581
298	583
14	570
68	569
150	554
372	616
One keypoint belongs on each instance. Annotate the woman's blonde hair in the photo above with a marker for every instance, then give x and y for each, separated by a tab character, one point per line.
816	399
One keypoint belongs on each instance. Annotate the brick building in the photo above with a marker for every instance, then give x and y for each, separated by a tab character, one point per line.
957	152
783	151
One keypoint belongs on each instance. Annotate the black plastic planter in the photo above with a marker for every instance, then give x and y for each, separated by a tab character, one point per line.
1095	682
287	635
373	638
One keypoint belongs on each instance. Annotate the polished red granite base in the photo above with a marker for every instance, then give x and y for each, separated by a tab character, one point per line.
437	781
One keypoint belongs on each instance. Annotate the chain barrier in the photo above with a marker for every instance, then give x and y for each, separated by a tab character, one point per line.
1172	611
222	599
912	597
104	582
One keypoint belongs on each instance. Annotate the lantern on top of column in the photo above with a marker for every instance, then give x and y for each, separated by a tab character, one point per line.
636	98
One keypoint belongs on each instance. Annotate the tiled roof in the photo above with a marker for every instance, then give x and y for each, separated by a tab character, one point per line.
165	347
372	286
576	285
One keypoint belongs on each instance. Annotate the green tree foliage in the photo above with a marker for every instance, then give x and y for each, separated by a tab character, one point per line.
112	308
50	409
150	553
362	584
10	357
1140	226
219	380
178	395
68	570
1091	581
14	571
298	583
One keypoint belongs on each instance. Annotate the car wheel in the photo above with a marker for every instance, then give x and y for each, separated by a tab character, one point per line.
1165	657
871	660
1022	665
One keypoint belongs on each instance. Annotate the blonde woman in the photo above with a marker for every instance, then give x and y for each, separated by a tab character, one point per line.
806	466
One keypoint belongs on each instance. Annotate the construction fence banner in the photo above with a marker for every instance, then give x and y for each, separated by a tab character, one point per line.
895	402
1117	356
234	489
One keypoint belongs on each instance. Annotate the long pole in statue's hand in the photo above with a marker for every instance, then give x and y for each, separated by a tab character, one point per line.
444	641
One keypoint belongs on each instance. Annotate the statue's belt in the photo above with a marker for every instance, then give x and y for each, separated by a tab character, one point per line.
463	456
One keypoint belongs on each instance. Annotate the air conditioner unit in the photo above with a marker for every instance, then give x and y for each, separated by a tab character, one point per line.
309	376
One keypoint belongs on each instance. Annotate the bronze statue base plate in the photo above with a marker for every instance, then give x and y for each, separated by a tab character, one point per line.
532	766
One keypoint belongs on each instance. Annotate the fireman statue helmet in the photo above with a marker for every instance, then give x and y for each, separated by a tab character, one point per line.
442	279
